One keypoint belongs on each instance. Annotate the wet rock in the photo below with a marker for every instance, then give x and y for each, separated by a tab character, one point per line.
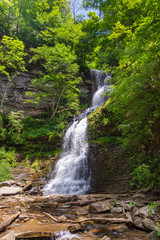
138	223
100	207
27	187
117	210
152	236
17	208
7	191
119	228
105	238
22	217
9	236
145	212
149	225
81	212
76	228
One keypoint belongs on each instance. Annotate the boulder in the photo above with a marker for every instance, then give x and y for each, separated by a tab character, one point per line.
117	210
27	186
145	212
152	236
7	183
138	223
9	236
128	207
7	191
105	238
149	224
76	228
100	207
119	229
81	212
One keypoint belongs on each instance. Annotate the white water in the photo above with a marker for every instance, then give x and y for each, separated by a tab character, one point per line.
71	174
99	98
64	235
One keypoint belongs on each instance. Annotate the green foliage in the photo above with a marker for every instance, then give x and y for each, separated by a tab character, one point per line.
7	159
87	46
5	171
133	203
11	128
157	229
129	49
11	56
114	202
58	83
142	177
8	156
152	205
27	19
35	128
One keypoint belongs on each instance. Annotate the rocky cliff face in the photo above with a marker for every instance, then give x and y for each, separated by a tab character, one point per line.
13	95
108	161
109	169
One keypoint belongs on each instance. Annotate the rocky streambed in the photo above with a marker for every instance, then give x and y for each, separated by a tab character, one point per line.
133	216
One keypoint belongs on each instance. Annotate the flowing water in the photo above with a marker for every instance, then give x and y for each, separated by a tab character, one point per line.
71	174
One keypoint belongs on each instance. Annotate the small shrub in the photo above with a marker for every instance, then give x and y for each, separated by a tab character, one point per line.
5	171
8	156
141	177
133	203
152	205
114	202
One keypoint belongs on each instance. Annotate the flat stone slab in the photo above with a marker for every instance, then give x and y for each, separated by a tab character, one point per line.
7	183
9	236
7	191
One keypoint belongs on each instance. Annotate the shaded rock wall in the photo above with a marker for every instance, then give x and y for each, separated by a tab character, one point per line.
108	169
15	95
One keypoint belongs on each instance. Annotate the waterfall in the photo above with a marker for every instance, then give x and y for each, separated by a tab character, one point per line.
99	79
71	174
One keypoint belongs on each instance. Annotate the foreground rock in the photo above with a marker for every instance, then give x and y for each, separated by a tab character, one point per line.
97	217
8	191
9	236
100	207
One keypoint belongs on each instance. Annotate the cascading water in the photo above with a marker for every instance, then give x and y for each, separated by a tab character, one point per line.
71	174
99	98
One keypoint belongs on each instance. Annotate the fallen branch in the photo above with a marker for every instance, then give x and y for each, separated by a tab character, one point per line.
7	222
127	214
105	220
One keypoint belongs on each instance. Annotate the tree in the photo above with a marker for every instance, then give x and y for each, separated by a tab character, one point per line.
75	7
11	60
89	40
57	82
11	56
